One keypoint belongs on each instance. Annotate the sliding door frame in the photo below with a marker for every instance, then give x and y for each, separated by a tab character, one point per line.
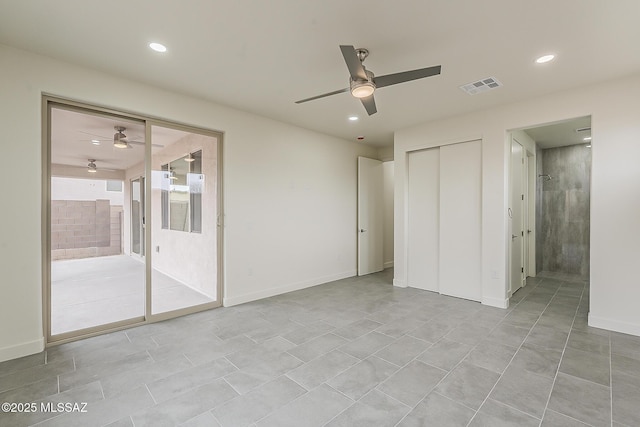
148	215
52	101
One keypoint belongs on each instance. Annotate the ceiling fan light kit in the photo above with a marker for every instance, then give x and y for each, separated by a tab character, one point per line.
91	167
119	137
362	89
363	83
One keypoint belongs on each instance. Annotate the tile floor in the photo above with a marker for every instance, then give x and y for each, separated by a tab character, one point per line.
355	352
95	291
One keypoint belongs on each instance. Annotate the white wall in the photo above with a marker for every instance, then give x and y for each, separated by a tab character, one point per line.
289	193
524	140
185	256
615	205
84	189
387	218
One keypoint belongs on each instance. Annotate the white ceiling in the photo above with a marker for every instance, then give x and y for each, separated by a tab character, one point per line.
261	56
570	132
73	134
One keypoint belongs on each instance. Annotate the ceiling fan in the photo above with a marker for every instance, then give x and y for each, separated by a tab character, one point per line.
362	82
120	140
93	168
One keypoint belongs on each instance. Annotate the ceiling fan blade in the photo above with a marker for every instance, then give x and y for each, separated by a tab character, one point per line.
143	143
369	104
406	76
353	63
106	138
335	92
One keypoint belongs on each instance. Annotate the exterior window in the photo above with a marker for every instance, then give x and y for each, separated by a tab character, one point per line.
115	186
181	196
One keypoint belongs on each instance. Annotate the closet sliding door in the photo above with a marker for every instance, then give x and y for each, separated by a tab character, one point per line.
423	219
444	220
461	220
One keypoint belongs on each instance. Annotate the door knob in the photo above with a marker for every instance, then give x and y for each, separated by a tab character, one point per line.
362	230
513	236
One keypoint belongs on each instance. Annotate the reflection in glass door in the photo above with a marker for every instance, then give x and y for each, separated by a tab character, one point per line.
184	211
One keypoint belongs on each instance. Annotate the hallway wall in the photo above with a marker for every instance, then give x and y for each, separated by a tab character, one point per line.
564	223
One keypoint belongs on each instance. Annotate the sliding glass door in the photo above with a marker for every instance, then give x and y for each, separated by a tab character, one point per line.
184	212
132	231
94	281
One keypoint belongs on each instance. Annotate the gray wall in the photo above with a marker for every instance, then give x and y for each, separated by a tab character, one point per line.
563	208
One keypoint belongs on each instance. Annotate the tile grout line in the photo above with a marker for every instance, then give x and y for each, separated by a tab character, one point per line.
555	377
357	401
519	347
462	360
345	409
150	394
234	389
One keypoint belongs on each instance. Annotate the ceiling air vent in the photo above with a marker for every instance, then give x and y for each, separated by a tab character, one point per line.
480	86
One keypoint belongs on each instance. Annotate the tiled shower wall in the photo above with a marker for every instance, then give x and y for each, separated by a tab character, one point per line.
563	209
82	229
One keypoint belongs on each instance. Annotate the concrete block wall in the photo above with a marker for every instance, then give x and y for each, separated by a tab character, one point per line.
83	229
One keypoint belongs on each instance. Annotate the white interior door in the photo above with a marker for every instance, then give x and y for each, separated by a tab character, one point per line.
423	220
516	217
370	216
461	220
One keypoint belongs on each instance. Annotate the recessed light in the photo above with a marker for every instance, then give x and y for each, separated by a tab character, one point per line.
586	138
545	58
158	47
353	118
95	142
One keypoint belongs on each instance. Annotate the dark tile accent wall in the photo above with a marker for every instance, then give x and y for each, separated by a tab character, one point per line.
563	232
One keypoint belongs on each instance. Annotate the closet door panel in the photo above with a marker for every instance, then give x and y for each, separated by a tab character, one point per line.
423	222
461	220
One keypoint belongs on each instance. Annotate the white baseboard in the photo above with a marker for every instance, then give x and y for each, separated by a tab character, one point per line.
20	350
495	302
399	283
614	325
388	264
266	293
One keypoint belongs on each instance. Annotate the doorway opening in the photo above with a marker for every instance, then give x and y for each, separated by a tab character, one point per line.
131	223
554	205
